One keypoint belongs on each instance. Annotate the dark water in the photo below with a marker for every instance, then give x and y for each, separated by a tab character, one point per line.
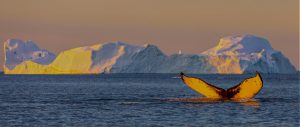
141	100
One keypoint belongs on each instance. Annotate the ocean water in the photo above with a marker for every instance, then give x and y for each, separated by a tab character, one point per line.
142	100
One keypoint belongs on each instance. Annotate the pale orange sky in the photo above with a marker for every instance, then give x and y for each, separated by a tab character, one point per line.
188	25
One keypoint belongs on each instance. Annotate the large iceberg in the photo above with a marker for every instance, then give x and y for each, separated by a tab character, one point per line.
233	54
247	54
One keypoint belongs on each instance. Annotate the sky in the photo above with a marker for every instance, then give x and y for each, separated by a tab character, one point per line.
191	26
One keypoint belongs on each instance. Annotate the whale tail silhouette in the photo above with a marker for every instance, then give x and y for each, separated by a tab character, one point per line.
247	89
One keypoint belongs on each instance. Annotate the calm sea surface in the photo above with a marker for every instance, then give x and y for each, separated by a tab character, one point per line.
141	100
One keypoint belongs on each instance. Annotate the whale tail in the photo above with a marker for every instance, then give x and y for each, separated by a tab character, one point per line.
247	89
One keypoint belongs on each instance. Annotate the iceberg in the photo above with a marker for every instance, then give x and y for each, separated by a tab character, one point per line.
233	55
247	54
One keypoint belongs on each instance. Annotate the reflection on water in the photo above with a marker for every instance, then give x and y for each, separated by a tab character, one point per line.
246	102
250	102
197	100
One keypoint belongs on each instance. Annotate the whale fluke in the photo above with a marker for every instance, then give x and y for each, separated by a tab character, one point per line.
245	90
